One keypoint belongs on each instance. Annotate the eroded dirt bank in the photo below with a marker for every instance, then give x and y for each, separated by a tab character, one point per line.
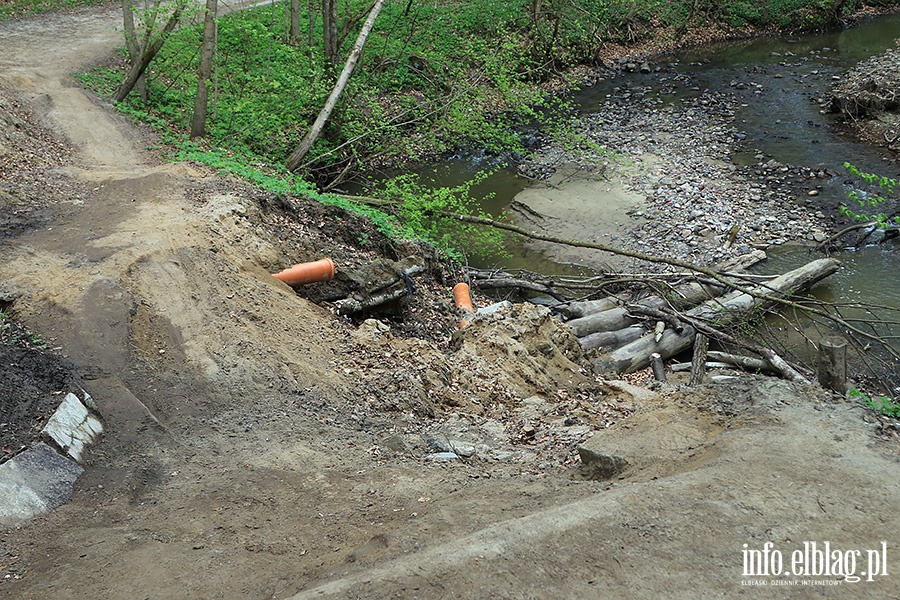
259	446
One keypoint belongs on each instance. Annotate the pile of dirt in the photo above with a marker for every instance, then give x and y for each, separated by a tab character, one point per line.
29	155
35	378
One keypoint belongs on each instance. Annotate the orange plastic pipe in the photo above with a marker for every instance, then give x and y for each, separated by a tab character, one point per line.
463	299
309	272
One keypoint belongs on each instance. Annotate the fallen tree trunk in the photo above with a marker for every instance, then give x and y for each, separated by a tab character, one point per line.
520	284
688	366
140	64
723	360
748	363
608	320
593	319
720	312
295	160
611	340
621	317
576	310
806	309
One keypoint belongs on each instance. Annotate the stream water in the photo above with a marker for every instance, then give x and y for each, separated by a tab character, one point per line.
787	126
784	122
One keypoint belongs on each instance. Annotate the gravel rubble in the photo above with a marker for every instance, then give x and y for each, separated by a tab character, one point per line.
679	156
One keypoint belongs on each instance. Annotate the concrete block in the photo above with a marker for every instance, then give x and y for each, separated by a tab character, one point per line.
73	427
35	482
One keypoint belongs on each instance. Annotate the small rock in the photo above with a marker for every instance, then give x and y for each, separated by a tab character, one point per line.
463	449
602	465
439	456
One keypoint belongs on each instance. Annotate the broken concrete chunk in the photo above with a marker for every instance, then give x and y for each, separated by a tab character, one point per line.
73	427
600	464
439	456
494	308
35	482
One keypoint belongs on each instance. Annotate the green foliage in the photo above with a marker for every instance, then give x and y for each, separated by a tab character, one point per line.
882	404
425	210
429	82
279	181
24	8
796	14
871	200
435	77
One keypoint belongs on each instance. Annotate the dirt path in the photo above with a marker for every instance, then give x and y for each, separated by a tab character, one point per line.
239	461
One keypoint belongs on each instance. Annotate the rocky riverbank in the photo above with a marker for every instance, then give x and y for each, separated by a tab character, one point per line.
675	160
870	98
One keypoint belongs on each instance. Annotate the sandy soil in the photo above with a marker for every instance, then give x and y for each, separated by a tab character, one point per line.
259	447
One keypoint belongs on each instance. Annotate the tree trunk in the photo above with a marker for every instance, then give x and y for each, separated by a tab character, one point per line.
698	362
294	21
607	320
311	34
198	122
138	67
619	318
295	159
329	31
132	44
832	369
720	311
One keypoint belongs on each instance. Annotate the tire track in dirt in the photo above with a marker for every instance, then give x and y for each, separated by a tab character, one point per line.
41	67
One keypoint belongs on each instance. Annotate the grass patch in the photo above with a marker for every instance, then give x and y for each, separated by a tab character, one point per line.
26	8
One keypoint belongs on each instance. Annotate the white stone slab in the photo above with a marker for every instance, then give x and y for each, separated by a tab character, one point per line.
73	427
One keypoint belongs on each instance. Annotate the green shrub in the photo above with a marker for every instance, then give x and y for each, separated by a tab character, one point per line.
870	200
882	404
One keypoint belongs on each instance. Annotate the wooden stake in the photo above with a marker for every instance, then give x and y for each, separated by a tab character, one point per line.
698	363
832	373
659	370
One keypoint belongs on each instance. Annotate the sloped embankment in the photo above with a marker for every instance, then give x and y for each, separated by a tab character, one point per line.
869	95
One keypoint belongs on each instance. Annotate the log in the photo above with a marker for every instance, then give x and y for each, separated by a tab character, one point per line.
576	310
585	316
720	311
608	320
610	340
710	364
741	263
682	295
748	363
352	305
617	318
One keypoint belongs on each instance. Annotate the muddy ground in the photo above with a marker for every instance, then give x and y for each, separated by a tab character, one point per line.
259	446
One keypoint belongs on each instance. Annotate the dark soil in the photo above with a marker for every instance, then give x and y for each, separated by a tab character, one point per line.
33	383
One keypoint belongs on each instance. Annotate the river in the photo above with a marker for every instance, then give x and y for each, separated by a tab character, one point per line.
778	83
